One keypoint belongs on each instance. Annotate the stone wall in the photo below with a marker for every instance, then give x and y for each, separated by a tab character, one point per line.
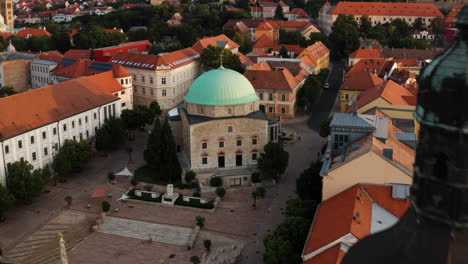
16	73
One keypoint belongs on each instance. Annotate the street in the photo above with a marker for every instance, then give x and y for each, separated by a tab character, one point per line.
301	154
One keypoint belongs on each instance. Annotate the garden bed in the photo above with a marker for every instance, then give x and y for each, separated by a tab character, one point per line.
193	202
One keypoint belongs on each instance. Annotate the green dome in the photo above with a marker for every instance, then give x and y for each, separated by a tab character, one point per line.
221	87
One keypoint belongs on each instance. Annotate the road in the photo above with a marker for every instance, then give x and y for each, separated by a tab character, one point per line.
301	154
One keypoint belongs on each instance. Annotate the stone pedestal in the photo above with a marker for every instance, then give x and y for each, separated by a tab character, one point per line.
170	196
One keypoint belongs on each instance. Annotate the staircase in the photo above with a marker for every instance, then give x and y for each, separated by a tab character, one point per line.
43	246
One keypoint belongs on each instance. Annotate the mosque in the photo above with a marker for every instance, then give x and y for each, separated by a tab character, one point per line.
220	127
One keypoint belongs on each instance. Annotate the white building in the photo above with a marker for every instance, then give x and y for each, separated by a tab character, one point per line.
40	73
423	34
162	78
35	124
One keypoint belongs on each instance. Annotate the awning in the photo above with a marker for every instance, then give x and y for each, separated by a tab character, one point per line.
125	172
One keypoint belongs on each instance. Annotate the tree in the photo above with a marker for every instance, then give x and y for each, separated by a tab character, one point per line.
365	26
92	37
73	157
279	12
274	161
152	152
6	91
216	181
301	208
244	41
6	201
412	43
220	191
417	24
139	116
25	183
189	176
155	109
437	25
207	244
105	206
292	38
309	183
325	127
200	220
210	58
278	250
345	36
316	37
195	259
283	52
111	135
310	91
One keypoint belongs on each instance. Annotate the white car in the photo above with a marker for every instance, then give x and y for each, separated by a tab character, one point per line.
326	85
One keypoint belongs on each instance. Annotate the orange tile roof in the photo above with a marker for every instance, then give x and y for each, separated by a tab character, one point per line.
390	91
317	50
262	66
367	65
281	80
386	9
367	53
407	62
53	55
267	26
307	62
119	71
246	61
207	41
361	81
78	54
107	82
298	11
35	32
150	62
6	35
38	107
78	69
264	42
337	217
298	25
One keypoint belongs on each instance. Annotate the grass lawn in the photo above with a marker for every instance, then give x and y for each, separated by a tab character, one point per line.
147	174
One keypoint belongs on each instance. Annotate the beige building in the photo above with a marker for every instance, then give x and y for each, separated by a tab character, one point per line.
366	149
378	12
14	70
220	126
6	11
162	78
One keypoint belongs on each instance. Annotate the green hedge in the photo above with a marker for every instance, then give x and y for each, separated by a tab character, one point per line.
144	196
194	203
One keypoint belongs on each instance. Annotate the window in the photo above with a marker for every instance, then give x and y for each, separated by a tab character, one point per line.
134	78
113	109
64	127
346	96
73	124
143	90
151	92
122	92
135	89
221	144
95	116
270	97
151	80
239	142
34	156
204	145
20	144
261	96
81	136
32	139
283	110
204	160
122	82
254	155
86	119
164	92
254	141
74	138
230	129
46	152
270	109
143	78
43	134
163	80
7	149
283	97
54	131
79	121
21	159
123	104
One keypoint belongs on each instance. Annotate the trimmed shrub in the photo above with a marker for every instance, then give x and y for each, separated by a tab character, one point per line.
105	206
256	177
200	221
207	244
260	192
194	203
220	191
196	194
195	260
189	176
148	187
111	175
216	181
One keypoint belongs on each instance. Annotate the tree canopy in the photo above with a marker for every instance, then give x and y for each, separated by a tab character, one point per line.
111	135
210	58
274	160
309	183
73	157
25	183
6	91
345	36
6	201
93	37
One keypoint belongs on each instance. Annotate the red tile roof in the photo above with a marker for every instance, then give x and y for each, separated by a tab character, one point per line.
35	32
367	53
80	54
349	212
272	80
78	69
361	81
205	42
264	42
367	65
317	50
386	9
6	35
38	107
246	61
53	55
262	66
267	25
390	91
298	11
119	71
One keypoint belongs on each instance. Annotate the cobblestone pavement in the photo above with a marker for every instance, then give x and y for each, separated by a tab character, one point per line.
23	220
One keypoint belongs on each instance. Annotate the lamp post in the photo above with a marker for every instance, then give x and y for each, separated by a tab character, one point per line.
435	228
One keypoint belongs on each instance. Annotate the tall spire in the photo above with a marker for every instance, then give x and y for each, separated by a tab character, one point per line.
221	60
